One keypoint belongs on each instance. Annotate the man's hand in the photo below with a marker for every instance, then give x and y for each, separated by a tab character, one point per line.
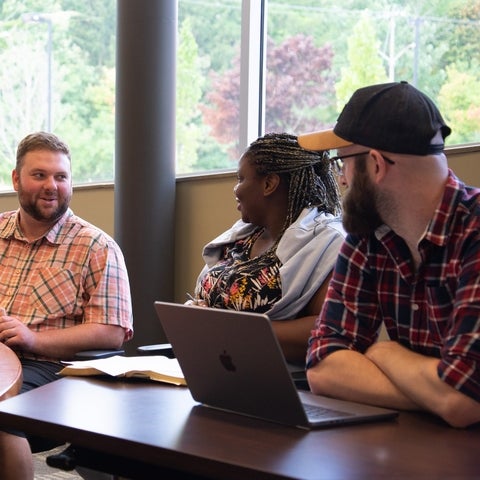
14	333
416	376
196	302
61	343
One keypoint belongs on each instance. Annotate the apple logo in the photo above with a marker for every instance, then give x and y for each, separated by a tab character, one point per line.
227	362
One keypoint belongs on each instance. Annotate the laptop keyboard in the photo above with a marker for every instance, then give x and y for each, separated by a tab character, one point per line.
314	412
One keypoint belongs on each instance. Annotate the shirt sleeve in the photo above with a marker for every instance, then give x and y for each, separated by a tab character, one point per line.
350	315
460	353
108	289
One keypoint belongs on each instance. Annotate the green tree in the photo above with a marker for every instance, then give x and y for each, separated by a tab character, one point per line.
190	84
90	131
86	119
459	101
464	36
82	77
23	92
93	28
362	45
216	27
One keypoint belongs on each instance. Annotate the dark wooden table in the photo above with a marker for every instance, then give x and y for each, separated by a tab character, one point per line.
157	428
10	373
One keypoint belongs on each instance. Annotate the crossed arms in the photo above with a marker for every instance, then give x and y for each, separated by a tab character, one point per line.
390	375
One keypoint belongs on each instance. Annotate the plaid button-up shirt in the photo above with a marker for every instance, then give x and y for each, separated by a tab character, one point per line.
74	274
434	310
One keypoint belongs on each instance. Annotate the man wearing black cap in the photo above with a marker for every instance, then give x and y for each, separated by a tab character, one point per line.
411	260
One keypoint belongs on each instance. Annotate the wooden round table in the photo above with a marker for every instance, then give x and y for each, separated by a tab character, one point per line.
10	373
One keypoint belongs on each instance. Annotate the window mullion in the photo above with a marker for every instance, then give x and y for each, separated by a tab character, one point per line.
252	71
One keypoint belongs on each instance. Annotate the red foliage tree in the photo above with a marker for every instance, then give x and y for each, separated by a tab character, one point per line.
300	84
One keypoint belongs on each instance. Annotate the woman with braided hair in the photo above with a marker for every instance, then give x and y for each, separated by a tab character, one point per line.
279	257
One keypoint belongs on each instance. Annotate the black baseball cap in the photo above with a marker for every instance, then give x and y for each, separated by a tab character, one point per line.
395	117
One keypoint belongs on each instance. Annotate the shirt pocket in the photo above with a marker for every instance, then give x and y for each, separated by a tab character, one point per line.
54	292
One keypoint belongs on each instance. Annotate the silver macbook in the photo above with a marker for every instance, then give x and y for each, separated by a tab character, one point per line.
232	361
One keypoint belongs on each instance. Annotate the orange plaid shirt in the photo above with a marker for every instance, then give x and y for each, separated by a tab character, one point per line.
74	274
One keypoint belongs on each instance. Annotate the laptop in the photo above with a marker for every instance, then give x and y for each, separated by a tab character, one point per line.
232	361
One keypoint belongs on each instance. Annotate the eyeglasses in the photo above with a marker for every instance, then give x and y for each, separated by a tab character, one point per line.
338	166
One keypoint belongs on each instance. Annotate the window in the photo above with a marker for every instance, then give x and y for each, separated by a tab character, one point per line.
58	72
208	84
318	53
321	52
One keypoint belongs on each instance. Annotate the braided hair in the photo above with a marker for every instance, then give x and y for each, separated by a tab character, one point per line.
307	174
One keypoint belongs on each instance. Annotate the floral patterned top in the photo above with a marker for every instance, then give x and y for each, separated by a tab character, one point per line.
238	282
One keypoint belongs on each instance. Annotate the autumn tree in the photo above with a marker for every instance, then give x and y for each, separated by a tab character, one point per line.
299	92
300	85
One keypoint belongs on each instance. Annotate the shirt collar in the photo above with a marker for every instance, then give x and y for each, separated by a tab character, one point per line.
439	229
55	235
11	228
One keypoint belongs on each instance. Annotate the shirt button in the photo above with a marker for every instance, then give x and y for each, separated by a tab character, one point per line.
415	307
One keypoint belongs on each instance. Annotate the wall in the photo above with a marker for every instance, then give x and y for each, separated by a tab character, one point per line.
94	204
205	206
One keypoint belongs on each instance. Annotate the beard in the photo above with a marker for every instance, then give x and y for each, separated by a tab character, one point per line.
37	214
30	206
360	212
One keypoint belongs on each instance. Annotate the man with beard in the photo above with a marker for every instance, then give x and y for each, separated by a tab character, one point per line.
63	283
411	260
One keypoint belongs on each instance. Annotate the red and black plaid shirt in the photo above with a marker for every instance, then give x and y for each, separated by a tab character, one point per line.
434	311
